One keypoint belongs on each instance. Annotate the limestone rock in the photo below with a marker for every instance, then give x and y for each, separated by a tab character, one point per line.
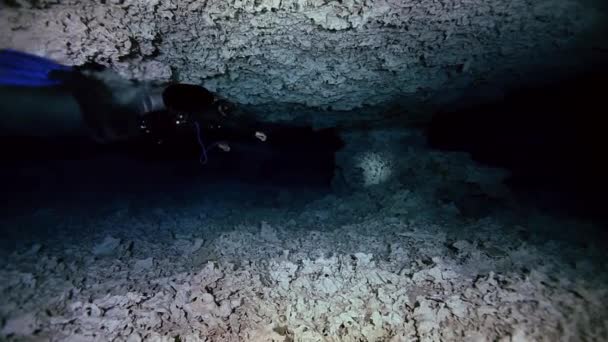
333	55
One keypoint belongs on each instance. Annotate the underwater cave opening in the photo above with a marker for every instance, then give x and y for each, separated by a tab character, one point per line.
552	138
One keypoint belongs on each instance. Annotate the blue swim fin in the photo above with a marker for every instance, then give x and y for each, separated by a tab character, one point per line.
27	70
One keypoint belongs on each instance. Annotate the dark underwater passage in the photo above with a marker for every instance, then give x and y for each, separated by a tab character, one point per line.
491	209
551	137
40	171
192	219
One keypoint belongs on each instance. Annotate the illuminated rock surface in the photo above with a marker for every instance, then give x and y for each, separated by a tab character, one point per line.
335	55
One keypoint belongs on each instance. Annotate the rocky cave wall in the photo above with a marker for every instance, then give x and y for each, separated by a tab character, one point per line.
336	56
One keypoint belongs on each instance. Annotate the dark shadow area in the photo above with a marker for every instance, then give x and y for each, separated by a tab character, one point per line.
291	155
553	138
292	158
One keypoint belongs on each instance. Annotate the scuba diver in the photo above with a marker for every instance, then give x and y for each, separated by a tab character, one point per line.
42	98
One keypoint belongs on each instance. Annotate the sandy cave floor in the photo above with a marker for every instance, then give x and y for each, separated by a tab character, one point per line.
254	265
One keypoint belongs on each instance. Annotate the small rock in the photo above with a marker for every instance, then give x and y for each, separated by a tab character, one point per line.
77	338
457	306
462	245
143	264
107	247
225	309
268	233
519	335
22	325
134	337
363	259
198	243
186	246
28	280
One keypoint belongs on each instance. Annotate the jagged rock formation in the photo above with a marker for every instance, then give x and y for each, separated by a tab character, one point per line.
332	55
